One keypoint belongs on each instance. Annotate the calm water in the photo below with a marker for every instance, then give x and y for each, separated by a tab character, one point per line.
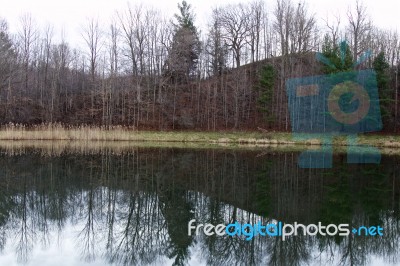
132	207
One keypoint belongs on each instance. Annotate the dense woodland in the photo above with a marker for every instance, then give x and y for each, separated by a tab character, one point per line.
143	70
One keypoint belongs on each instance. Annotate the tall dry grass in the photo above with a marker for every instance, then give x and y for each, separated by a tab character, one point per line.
61	132
119	133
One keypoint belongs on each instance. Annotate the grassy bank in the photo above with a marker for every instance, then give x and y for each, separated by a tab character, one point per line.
89	133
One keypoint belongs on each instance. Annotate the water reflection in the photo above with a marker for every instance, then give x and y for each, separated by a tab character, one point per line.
132	207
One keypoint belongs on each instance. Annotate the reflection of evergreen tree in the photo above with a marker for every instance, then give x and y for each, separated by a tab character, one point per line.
226	250
356	196
376	195
338	208
6	206
263	191
178	210
337	203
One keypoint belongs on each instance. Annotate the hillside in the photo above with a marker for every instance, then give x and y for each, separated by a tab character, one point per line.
223	102
227	101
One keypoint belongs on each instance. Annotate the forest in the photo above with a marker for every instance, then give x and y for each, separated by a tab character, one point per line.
147	71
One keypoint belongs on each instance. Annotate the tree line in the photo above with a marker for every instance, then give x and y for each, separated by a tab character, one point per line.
145	70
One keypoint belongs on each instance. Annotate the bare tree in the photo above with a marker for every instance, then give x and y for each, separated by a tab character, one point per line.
215	47
92	36
283	13
235	29
114	34
294	26
108	92
359	27
46	45
333	28
128	25
27	35
256	19
302	30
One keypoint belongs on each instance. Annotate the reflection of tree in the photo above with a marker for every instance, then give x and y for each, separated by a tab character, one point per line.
263	191
25	232
129	249
135	235
134	208
87	236
226	250
376	195
387	247
110	220
211	243
357	197
236	250
338	208
177	209
294	250
55	196
6	206
337	205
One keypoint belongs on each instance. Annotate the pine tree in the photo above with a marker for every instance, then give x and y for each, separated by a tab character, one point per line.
7	54
381	67
185	48
336	58
186	18
265	87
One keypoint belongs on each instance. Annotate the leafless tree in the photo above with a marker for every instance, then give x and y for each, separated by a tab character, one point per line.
215	45
359	28
256	19
333	28
92	35
27	35
295	27
284	13
235	29
303	30
128	23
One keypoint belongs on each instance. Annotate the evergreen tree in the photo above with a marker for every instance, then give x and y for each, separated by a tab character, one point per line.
381	67
336	58
185	48
186	18
265	87
7	54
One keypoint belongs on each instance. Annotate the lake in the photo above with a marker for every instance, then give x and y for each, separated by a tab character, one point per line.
79	204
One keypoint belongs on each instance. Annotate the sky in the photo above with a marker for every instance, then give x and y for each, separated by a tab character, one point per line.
69	16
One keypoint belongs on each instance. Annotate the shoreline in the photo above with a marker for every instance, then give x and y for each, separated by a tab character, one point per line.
253	138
